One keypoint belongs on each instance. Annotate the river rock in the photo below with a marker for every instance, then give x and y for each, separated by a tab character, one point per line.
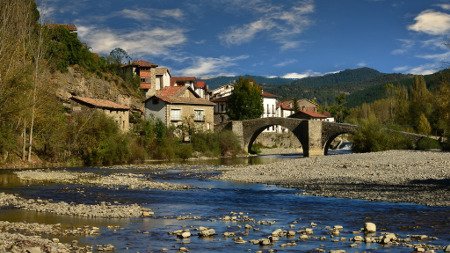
207	232
239	240
185	234
338	227
370	227
388	238
278	232
358	238
291	233
264	242
183	249
337	251
447	248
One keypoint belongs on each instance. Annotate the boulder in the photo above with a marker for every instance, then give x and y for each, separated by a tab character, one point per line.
370	227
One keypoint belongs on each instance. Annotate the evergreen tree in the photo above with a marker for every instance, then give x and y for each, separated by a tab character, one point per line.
245	101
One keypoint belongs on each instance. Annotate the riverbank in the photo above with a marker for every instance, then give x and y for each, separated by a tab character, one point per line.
396	176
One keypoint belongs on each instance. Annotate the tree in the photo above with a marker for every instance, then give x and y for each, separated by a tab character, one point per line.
245	101
423	126
339	108
119	56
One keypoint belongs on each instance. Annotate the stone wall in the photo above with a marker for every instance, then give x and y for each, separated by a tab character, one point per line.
278	140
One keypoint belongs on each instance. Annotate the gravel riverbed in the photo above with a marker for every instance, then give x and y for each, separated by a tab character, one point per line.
396	176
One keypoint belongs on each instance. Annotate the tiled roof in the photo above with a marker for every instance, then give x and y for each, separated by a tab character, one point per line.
100	103
161	71
183	100
285	105
200	85
312	114
145	86
143	63
268	95
171	91
172	95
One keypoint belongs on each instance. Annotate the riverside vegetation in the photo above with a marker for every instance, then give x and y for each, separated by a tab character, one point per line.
34	125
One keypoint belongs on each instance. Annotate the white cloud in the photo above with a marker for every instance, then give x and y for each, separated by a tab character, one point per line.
361	64
436	57
46	12
432	22
211	66
425	69
285	63
435	43
305	74
405	46
276	22
444	6
247	32
155	41
147	14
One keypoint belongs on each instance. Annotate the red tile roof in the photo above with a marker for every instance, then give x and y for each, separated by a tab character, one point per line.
171	91
312	114
145	86
99	103
183	100
200	85
268	95
172	95
143	63
285	105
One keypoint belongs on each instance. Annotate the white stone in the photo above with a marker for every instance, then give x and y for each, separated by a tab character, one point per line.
370	227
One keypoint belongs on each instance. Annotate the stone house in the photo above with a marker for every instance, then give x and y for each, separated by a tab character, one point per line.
178	105
118	112
311	115
147	74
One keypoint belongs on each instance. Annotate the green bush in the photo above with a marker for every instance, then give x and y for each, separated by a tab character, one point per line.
206	143
427	144
373	136
256	148
229	143
184	151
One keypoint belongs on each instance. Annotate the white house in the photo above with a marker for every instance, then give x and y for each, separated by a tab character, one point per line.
162	78
270	108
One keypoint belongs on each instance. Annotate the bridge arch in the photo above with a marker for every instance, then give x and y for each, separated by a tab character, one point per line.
253	128
331	130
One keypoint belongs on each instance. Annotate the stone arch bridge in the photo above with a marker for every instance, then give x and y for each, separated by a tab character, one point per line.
314	136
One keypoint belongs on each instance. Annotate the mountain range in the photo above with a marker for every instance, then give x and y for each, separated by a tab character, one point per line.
361	85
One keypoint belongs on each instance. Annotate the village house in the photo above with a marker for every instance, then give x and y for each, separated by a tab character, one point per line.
178	105
118	112
270	108
147	75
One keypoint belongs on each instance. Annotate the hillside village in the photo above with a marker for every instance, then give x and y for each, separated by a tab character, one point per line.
174	100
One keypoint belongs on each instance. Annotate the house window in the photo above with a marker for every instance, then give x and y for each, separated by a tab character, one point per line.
142	80
175	114
273	109
268	109
199	115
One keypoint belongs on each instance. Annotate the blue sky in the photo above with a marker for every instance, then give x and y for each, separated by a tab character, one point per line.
207	38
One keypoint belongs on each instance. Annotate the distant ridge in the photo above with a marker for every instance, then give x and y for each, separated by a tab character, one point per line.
361	85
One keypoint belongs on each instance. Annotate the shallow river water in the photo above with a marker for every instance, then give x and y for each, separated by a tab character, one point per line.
210	200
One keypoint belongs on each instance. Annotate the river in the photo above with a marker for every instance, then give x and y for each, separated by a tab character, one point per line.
210	200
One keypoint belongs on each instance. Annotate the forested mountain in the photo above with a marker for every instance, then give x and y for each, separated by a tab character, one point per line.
215	82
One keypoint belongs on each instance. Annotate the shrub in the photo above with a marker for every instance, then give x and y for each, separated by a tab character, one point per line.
206	143
229	144
184	151
256	148
373	137
427	144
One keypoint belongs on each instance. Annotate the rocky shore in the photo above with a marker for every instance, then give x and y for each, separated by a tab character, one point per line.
102	210
127	180
396	176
